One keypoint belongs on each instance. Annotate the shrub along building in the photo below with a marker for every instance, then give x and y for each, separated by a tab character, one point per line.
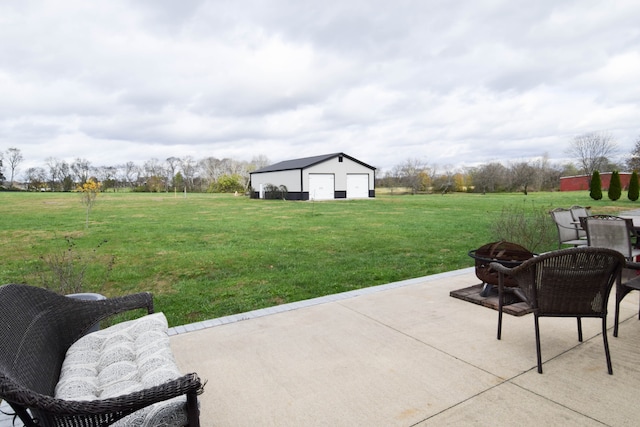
326	177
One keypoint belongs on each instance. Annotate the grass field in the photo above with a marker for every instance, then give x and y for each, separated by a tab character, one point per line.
207	255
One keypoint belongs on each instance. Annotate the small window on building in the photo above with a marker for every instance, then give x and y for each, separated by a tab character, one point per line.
339	159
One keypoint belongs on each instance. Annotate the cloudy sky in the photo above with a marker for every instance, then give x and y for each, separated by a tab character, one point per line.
449	82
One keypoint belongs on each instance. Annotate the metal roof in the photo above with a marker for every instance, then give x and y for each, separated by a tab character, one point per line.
305	162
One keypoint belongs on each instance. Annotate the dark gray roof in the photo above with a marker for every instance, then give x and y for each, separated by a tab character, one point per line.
305	163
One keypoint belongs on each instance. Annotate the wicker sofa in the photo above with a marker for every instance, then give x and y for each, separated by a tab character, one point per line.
39	328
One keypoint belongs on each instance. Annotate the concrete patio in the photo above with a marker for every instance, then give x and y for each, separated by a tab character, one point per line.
408	354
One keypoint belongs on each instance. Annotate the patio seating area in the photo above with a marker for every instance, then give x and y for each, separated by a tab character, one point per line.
407	354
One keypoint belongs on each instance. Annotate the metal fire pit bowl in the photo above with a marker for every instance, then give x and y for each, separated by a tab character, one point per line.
506	253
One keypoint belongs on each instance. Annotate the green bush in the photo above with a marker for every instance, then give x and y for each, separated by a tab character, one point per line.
595	188
634	187
227	184
615	187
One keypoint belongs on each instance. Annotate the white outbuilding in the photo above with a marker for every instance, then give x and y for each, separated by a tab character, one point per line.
327	177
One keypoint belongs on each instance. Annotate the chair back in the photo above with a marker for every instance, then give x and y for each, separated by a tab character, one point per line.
607	231
565	223
36	329
578	212
570	282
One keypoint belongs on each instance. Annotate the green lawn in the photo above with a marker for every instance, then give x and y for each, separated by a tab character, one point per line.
206	255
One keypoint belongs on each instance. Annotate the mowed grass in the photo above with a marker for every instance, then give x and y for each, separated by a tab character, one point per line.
205	255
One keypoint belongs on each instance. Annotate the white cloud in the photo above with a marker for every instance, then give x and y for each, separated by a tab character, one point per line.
456	82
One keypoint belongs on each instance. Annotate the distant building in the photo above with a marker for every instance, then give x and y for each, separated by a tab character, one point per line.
581	182
326	177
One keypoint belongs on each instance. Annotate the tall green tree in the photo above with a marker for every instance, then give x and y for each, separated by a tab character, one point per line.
596	186
634	187
615	187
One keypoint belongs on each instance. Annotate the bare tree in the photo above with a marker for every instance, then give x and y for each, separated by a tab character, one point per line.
106	176
633	162
413	173
172	169
155	175
36	178
490	177
189	169
130	174
80	169
592	150
14	158
523	176
211	168
59	171
444	182
259	162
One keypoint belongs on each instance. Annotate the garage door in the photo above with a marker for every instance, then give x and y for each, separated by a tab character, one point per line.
357	186
321	186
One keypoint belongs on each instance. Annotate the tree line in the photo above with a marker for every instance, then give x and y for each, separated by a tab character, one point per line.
172	174
591	151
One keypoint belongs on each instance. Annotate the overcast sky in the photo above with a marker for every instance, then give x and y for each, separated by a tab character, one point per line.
449	82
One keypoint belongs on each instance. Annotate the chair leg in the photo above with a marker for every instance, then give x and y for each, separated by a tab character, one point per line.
616	319
193	412
538	352
579	328
500	291
606	345
621	292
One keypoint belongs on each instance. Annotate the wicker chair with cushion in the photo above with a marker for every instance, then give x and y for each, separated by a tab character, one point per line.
568	228
37	330
573	282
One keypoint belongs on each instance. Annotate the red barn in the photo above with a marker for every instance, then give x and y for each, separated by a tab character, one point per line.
581	182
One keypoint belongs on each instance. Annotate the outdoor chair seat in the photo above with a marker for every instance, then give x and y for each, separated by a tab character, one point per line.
54	374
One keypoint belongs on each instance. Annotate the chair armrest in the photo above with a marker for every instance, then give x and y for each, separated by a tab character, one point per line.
96	412
632	265
500	268
84	313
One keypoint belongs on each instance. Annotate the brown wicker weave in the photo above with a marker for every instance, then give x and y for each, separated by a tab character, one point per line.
573	282
36	329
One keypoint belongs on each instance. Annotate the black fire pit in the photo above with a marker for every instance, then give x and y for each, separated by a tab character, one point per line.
506	253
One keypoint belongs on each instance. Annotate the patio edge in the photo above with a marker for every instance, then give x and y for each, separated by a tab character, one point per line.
181	329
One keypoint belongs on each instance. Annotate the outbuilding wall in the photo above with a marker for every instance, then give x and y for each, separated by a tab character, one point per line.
290	179
340	169
297	180
582	182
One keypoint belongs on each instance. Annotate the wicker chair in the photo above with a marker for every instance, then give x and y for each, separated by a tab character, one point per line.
36	329
573	282
568	229
613	232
